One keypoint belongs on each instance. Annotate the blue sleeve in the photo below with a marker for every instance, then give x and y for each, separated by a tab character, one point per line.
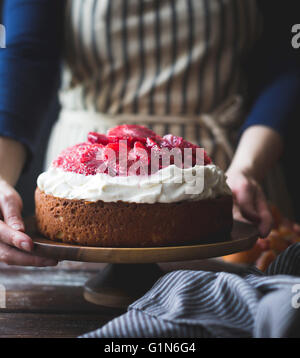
274	70
29	66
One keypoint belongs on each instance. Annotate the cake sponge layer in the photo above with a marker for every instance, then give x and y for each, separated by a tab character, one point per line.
121	224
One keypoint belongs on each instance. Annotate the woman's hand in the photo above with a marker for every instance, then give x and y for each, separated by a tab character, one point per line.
15	245
258	150
249	201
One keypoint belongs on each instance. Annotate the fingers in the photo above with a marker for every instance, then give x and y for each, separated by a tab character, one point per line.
266	220
15	238
11	207
251	202
244	197
237	214
12	236
12	256
11	229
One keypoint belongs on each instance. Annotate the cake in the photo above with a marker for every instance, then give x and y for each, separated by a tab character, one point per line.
132	188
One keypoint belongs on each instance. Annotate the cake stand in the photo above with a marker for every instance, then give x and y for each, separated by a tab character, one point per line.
132	271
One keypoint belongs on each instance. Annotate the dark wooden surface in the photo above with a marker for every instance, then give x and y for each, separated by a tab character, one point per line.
49	303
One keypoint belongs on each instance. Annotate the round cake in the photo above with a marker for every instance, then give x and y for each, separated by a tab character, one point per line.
133	188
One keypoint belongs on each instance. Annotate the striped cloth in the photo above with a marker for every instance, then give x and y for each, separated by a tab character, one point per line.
199	304
155	57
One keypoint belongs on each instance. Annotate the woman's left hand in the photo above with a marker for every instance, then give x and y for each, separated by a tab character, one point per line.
249	201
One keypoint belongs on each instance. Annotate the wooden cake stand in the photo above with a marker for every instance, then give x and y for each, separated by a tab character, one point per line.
132	271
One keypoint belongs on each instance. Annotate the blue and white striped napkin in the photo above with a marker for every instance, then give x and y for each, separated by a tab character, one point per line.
195	304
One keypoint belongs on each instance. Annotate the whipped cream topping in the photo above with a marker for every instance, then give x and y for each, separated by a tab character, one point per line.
168	185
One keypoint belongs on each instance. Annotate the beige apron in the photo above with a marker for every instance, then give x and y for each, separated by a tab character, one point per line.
171	65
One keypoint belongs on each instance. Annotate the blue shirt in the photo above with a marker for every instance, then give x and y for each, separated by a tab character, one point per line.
30	67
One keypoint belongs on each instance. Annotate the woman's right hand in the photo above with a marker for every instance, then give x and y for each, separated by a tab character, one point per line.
15	246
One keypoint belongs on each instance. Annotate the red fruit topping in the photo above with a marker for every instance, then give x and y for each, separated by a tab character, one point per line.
207	159
125	147
131	131
152	144
92	159
171	141
140	152
79	159
94	137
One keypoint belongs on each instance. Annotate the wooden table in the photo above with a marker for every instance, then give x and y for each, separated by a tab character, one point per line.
48	302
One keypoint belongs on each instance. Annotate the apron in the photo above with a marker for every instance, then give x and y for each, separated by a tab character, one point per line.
171	65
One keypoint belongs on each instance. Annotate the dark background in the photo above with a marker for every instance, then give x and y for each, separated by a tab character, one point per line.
27	182
290	159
